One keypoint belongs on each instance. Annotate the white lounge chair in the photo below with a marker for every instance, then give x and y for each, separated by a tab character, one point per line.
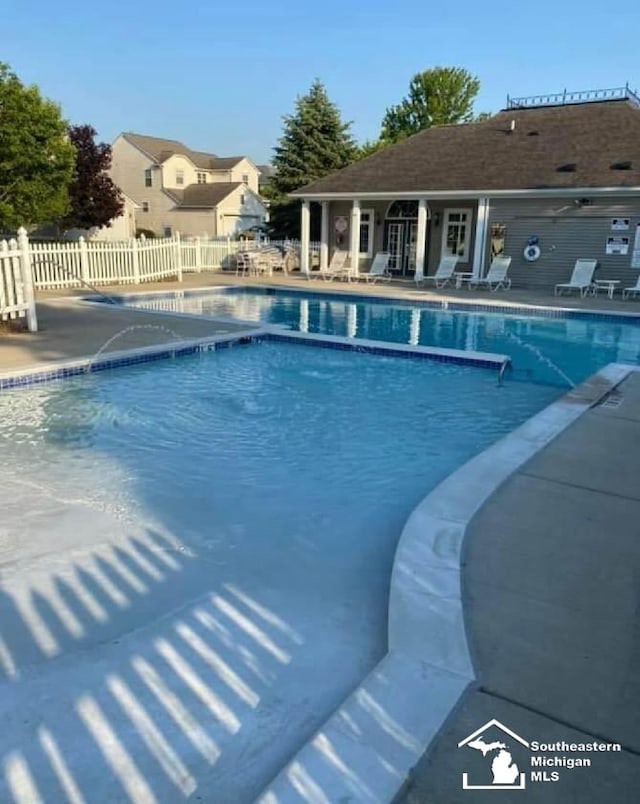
379	268
445	273
496	277
627	292
337	267
581	278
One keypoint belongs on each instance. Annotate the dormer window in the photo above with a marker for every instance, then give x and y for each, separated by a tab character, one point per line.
201	178
179	177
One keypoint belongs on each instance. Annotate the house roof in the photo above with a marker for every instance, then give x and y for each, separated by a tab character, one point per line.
203	196
555	147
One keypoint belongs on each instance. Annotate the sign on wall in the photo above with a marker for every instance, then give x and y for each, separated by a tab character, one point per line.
498	235
341	224
617	245
635	257
620	224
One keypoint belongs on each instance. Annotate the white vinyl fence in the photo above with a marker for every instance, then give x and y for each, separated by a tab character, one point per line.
86	262
16	285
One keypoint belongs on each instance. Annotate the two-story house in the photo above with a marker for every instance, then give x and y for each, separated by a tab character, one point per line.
191	192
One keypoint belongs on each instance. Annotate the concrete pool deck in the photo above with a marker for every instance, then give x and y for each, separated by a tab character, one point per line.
550	591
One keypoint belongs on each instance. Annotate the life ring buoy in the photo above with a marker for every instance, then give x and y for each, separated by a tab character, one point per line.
532	253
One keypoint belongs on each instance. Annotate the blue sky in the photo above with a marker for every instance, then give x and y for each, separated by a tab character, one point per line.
219	76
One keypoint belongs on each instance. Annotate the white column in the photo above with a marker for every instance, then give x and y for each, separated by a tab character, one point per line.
354	251
324	237
305	237
481	237
421	239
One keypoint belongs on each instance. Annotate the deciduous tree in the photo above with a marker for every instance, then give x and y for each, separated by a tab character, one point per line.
36	158
95	199
437	96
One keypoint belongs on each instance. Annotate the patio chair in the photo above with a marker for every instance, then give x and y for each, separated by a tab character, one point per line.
337	267
379	268
445	273
627	292
496	277
581	278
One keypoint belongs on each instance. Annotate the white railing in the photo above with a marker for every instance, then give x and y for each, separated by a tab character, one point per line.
16	285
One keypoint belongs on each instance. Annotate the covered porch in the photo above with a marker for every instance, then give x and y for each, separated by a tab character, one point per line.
416	232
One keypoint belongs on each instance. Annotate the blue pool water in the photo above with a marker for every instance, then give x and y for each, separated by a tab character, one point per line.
554	351
277	479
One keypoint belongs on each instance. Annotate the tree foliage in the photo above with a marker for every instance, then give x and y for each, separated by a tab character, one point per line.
437	96
314	142
36	159
95	199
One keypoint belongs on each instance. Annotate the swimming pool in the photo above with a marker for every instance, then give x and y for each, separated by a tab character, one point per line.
196	556
552	350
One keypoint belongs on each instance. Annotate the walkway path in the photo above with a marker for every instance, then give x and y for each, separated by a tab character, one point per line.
552	581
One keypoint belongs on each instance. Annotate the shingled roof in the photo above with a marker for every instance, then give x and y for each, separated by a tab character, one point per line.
203	196
160	150
574	146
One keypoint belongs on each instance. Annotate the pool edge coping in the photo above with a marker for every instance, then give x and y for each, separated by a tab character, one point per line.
61	369
455	304
416	687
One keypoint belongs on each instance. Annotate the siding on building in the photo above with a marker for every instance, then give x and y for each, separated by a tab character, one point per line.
566	232
433	249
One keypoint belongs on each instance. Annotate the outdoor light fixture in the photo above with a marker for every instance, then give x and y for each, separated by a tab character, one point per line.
436	219
378	220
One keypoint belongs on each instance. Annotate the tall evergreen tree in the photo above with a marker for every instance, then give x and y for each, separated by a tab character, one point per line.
436	97
36	159
95	199
315	141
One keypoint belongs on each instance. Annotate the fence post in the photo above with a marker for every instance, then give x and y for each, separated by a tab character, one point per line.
228	250
84	259
135	261
198	255
27	279
178	257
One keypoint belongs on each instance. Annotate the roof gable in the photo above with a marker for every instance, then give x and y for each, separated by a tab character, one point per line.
516	149
203	196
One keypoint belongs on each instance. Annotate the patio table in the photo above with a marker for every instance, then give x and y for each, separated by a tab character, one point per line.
605	284
462	277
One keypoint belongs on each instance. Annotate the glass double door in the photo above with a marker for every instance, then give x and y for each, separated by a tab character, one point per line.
400	239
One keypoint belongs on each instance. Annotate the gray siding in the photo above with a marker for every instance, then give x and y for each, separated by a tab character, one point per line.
566	232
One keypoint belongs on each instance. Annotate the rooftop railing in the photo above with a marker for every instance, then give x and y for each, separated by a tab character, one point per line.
583	96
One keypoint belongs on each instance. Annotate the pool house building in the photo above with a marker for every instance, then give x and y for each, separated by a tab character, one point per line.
547	180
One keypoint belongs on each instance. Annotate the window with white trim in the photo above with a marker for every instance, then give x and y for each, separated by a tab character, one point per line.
367	222
148	178
179	176
456	233
201	178
245	178
145	206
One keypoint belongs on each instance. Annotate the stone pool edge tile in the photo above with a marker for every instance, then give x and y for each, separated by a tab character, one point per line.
526	309
365	751
21	377
36	374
